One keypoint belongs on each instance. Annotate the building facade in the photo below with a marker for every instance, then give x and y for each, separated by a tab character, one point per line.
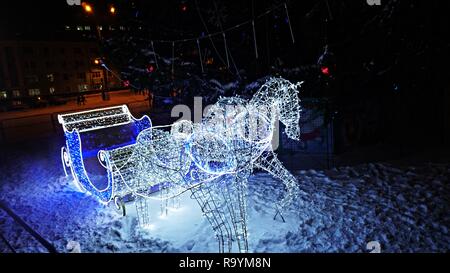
45	68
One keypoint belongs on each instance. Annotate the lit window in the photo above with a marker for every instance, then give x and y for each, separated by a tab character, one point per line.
16	93
50	77
100	27
210	61
87	28
34	92
31	79
82	87
3	95
52	90
79	28
96	74
67	27
122	28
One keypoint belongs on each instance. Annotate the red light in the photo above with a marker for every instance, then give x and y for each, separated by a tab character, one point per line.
183	8
150	68
126	83
325	70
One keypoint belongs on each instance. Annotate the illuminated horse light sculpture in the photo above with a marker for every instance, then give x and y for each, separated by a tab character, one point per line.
212	159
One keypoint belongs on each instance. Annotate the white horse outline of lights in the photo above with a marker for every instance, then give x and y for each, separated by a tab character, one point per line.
213	159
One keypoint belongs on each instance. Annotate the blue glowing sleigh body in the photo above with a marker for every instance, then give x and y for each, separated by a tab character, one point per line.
92	139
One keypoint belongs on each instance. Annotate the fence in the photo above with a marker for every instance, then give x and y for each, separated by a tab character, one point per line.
316	145
21	223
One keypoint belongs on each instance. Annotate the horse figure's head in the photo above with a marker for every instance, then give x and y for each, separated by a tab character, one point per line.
281	97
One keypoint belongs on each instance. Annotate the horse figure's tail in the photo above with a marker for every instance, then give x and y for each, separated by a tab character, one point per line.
281	95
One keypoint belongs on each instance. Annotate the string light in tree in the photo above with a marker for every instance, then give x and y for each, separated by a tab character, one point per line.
254	39
150	68
325	70
154	54
183	7
289	22
200	55
327	62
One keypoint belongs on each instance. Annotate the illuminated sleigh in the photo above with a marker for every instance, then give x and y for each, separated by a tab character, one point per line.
212	159
94	140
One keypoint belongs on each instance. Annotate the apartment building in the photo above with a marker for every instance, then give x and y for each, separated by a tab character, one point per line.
43	68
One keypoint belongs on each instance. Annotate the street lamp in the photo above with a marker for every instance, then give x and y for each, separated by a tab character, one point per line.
112	10
87	7
99	61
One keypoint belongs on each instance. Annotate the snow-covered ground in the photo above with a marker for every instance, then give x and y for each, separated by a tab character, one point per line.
405	209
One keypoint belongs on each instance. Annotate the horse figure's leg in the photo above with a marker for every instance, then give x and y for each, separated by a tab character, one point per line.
210	206
240	186
234	191
270	163
142	211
